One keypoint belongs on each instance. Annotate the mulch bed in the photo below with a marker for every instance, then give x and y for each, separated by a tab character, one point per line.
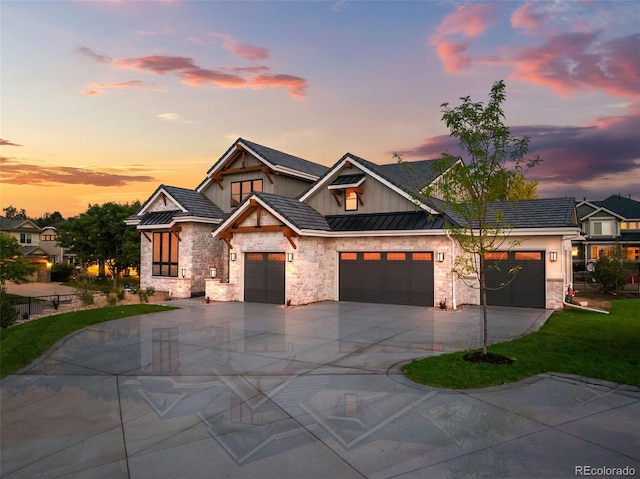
490	358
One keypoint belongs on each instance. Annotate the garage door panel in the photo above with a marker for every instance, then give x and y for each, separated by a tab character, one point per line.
526	289
264	278
380	277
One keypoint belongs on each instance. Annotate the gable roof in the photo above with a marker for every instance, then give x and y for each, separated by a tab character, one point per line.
7	224
276	160
399	178
621	206
190	205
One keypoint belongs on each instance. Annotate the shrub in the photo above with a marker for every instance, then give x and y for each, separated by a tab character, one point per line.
112	299
62	272
609	273
8	312
120	293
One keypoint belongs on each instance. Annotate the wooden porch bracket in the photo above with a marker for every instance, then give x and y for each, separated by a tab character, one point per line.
143	233
336	196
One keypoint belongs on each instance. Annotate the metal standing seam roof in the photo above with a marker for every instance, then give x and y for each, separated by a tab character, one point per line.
344	180
400	221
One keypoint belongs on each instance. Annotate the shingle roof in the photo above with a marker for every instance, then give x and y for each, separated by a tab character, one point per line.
625	207
196	205
537	213
299	214
276	157
412	220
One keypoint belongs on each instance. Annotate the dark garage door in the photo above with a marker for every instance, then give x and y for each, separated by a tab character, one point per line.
527	288
264	278
387	277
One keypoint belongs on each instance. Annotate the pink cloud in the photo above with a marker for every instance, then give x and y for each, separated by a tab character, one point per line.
201	76
159	64
296	86
18	173
454	56
93	55
572	61
529	18
471	20
96	88
244	50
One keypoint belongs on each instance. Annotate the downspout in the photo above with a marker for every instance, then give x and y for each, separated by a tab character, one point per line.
453	279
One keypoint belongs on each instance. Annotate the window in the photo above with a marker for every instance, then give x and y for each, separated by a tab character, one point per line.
528	256
165	254
602	228
25	238
421	256
241	189
396	256
350	199
349	256
48	237
371	256
496	255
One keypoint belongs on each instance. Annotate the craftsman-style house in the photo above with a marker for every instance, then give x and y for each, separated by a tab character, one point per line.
266	226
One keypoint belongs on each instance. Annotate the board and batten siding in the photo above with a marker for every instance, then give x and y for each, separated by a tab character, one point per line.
377	198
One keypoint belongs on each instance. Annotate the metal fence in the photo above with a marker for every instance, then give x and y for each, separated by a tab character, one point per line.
35	305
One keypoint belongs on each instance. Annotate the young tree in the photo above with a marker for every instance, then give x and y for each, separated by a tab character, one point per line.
99	235
494	165
12	213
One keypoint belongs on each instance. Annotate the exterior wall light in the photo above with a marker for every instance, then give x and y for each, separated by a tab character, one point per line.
553	256
232	256
213	272
440	256
183	272
289	257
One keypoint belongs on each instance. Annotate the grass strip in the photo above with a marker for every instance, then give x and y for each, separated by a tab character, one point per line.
571	341
21	344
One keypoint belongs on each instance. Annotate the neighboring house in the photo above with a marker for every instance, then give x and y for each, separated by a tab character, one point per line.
28	235
358	231
605	225
49	243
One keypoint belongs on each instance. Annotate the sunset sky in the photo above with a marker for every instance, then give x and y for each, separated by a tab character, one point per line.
104	101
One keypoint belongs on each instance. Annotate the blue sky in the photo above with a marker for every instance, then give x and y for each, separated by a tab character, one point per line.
104	101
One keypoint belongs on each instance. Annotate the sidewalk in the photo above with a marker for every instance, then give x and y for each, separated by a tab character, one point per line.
38	289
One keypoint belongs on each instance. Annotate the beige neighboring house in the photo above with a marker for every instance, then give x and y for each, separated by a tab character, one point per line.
28	235
49	243
265	226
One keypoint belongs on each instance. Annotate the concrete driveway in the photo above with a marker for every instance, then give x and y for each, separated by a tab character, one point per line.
244	390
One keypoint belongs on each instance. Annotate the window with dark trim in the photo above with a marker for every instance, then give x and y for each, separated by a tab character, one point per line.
350	199
25	238
241	189
165	254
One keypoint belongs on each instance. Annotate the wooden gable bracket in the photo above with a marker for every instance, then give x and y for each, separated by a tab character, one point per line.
164	198
290	234
336	196
143	233
268	172
176	232
359	192
347	164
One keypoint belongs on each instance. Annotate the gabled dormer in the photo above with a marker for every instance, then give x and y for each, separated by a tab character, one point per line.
247	167
356	186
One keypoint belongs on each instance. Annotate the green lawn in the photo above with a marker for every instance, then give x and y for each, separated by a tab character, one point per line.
21	344
578	342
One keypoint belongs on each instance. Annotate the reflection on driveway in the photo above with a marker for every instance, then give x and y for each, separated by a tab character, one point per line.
251	390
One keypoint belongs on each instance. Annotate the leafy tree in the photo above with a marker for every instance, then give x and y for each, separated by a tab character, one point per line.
495	163
49	219
14	266
609	270
99	235
13	213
